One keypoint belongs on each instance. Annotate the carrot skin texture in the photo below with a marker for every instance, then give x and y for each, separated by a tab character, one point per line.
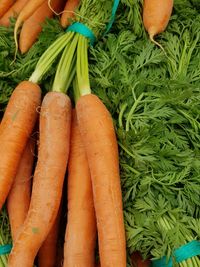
34	22
156	15
5	5
70	6
47	255
54	128
98	135
13	11
81	232
15	129
18	200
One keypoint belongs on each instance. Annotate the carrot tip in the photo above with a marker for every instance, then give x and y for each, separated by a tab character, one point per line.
151	36
15	38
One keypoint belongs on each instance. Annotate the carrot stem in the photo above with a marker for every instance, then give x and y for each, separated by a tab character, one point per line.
65	67
82	66
46	60
76	89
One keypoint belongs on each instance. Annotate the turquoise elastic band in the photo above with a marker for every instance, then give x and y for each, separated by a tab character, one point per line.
183	253
6	249
87	32
114	10
83	30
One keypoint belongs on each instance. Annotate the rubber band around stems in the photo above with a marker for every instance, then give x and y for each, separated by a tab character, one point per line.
181	254
83	30
5	249
87	32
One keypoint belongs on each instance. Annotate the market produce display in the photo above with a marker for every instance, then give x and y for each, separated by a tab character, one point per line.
110	93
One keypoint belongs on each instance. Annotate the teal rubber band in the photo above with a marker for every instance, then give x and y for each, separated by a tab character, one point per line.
83	30
183	253
114	10
6	249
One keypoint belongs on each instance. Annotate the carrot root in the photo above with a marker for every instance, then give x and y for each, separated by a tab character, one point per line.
54	128
15	129
99	139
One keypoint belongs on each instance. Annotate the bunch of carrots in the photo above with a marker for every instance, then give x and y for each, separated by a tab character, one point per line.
31	14
80	140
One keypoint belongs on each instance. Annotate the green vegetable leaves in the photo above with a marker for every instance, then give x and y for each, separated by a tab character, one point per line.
154	100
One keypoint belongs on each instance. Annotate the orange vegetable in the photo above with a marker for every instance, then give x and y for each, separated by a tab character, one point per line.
13	11
25	13
68	12
15	129
20	194
99	139
47	255
54	136
156	15
33	25
81	233
5	5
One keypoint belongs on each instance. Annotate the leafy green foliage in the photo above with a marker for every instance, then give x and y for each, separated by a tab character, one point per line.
154	99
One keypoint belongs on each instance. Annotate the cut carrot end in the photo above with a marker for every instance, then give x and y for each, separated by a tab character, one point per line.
151	36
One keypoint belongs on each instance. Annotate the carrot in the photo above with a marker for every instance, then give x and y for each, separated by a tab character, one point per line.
16	127
54	128
99	139
19	197
25	13
156	15
138	261
81	234
47	255
13	11
34	22
68	12
5	5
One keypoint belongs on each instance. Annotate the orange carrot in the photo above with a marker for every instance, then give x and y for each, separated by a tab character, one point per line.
156	15
34	22
15	129
54	136
19	197
81	234
25	13
99	139
13	11
5	5
47	255
68	12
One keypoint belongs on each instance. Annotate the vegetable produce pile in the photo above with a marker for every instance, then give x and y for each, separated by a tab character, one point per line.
138	86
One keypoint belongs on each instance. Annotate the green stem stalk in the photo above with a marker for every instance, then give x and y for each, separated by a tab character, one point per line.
82	66
47	59
65	72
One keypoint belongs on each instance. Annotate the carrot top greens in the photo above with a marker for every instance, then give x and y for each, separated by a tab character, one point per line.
155	103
